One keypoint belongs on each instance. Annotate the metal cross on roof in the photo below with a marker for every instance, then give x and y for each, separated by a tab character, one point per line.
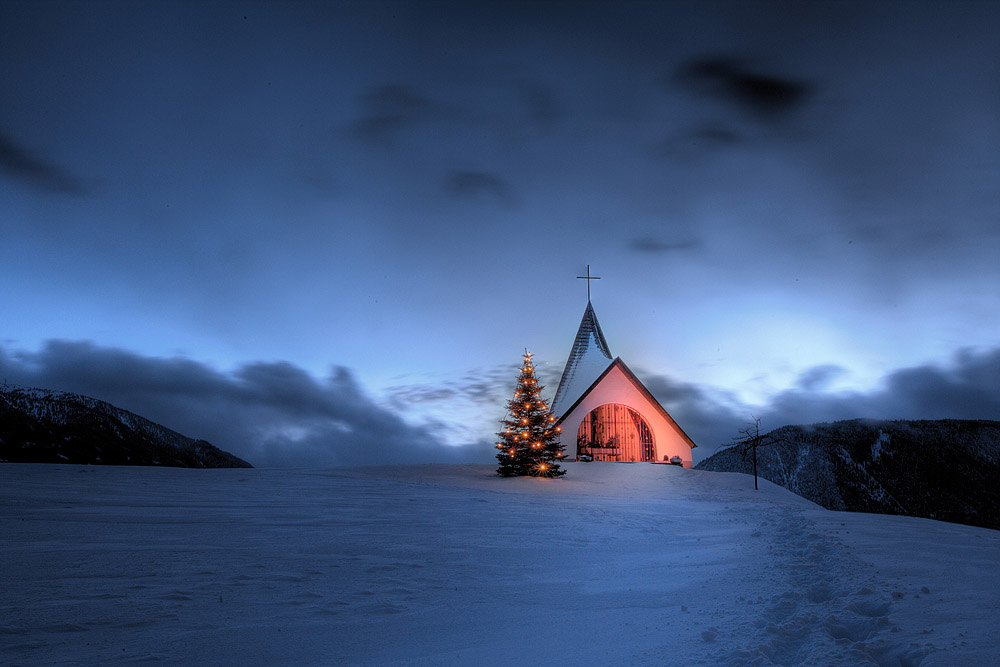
588	278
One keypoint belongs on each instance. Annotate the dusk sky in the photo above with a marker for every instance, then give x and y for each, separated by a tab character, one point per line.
323	233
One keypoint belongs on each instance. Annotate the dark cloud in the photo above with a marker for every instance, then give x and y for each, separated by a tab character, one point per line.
21	164
388	110
650	244
704	140
730	79
480	184
510	111
406	396
966	388
483	388
818	377
718	135
318	177
271	414
709	419
542	106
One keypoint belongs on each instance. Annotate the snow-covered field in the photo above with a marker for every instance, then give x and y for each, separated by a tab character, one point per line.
449	565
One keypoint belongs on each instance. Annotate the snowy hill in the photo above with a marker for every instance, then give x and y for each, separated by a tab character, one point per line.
614	564
43	426
946	469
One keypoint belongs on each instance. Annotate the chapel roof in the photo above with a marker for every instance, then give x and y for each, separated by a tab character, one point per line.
588	359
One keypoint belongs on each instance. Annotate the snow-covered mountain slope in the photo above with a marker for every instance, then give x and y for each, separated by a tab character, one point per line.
43	426
614	564
946	469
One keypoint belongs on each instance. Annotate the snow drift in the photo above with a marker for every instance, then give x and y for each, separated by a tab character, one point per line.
450	565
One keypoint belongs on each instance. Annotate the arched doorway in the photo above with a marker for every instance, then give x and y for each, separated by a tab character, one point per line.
615	432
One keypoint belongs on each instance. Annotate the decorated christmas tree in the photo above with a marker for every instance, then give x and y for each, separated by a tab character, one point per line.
528	442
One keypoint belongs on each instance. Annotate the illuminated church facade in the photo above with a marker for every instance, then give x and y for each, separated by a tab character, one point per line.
605	413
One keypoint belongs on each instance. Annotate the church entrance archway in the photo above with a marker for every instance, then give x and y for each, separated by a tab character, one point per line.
615	432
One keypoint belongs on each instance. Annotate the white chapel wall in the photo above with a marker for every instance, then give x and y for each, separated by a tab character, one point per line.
616	387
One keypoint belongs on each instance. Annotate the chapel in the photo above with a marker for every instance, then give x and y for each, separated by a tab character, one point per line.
605	413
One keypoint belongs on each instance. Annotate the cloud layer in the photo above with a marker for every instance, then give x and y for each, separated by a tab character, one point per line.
275	414
32	169
968	387
729	78
272	414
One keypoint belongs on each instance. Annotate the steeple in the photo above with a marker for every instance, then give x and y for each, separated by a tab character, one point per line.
589	358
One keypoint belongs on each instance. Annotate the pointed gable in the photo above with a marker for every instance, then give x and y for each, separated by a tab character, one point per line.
589	358
651	403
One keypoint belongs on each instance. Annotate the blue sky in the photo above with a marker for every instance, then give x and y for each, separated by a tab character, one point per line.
784	200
